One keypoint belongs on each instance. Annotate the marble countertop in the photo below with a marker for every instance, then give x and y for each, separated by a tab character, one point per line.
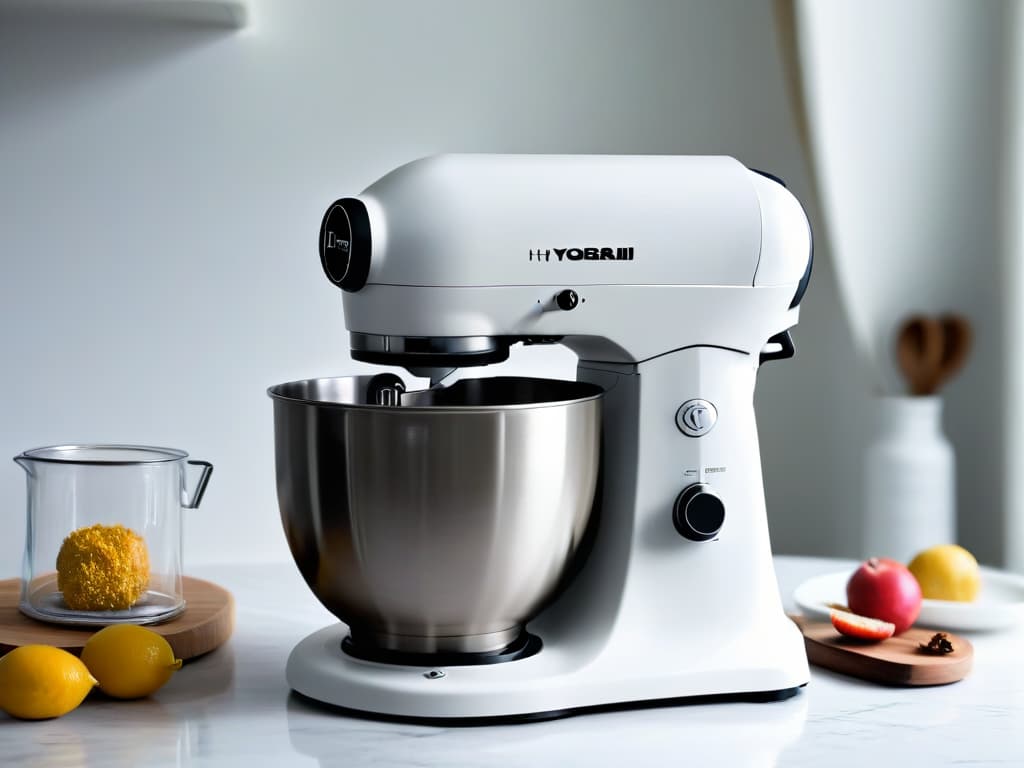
233	708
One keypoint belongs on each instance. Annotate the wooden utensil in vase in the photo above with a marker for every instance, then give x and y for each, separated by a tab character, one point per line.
956	346
930	350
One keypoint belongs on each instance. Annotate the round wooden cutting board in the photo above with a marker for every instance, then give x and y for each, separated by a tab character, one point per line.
207	622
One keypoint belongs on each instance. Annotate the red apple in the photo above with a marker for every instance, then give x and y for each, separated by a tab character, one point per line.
884	589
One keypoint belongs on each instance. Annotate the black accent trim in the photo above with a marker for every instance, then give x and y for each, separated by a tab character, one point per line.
345	244
801	288
536	717
429	360
772	176
786	351
522	647
528	340
662	354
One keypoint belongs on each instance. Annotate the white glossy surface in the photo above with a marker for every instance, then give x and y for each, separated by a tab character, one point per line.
232	708
1000	603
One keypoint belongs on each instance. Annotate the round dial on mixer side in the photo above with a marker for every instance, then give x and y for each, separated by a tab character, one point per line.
345	244
698	513
697	417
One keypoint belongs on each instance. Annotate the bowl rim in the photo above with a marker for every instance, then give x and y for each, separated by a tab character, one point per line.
596	394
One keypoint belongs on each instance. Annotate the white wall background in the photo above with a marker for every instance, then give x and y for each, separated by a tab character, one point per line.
911	133
161	188
1013	290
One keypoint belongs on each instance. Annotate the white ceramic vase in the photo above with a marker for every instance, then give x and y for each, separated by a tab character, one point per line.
909	480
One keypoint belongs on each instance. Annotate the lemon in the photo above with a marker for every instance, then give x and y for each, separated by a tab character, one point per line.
129	661
39	681
947	572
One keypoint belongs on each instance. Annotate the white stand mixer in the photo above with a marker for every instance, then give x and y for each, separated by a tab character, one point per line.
672	278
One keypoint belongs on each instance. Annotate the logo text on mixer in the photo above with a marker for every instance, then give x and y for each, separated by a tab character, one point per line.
582	254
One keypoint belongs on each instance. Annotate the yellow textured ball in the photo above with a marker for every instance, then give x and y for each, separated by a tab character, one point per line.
102	568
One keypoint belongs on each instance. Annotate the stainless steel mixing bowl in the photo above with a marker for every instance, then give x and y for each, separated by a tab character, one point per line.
441	526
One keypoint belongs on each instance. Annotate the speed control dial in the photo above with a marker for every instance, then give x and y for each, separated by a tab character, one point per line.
698	513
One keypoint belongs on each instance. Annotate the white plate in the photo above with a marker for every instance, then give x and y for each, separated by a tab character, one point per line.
1000	603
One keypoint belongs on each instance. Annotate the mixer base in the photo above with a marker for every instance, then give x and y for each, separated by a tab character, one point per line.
547	685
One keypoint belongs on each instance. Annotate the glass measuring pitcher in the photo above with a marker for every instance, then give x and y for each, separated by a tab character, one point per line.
104	532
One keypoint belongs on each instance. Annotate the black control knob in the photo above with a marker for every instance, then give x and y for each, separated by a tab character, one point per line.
567	299
345	244
698	513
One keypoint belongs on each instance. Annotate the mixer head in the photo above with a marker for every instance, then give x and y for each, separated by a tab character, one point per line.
448	261
346	246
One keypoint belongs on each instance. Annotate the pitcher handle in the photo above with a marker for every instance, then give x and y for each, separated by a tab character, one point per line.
204	478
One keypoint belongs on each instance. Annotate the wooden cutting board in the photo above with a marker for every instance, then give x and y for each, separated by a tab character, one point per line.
896	661
207	622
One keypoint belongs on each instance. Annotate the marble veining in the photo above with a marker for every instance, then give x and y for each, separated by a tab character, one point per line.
233	708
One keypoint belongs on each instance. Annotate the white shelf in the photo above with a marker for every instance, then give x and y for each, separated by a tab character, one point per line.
227	14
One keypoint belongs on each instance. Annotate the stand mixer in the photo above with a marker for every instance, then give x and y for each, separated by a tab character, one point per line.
513	548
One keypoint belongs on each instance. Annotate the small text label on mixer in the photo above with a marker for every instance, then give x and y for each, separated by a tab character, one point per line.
582	254
333	241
